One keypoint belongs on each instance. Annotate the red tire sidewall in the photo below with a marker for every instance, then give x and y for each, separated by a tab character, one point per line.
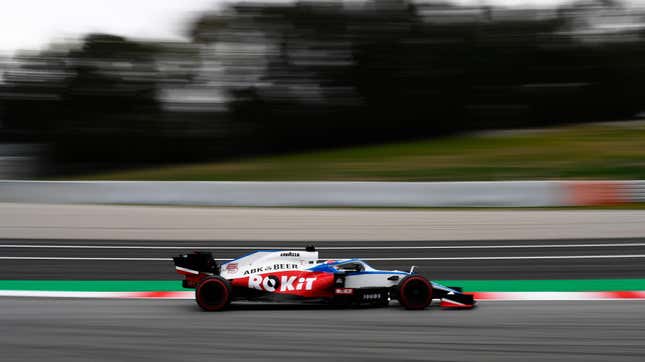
403	299
210	307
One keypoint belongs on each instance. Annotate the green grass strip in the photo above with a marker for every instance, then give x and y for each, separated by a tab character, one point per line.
609	151
569	285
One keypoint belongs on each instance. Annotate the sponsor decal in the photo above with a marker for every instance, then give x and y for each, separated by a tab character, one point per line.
372	296
345	291
266	268
254	270
231	268
271	283
290	253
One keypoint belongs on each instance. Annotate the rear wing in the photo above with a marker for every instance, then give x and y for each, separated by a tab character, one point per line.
195	267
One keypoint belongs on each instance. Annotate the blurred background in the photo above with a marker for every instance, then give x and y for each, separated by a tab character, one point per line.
355	90
322	90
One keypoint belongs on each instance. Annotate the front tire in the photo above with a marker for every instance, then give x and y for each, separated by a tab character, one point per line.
213	294
414	292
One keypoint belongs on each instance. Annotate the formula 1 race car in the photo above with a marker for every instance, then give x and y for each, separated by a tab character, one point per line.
294	274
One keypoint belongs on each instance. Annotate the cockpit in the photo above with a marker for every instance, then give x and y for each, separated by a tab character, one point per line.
351	266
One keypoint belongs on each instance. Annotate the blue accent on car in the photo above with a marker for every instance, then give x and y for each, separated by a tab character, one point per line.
323	268
343	261
329	267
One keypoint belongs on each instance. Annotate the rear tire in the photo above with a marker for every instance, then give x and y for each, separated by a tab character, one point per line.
414	292
213	294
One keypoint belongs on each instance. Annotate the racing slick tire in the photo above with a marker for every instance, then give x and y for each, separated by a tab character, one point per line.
213	294
414	292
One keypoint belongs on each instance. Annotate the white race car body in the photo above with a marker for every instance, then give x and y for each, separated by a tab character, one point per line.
267	274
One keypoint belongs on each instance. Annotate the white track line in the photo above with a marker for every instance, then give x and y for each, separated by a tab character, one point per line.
80	258
533	246
374	259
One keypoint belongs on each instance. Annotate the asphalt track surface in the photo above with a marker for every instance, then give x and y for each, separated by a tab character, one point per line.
171	330
177	330
492	259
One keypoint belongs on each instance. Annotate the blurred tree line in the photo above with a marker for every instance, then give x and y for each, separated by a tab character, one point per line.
265	78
